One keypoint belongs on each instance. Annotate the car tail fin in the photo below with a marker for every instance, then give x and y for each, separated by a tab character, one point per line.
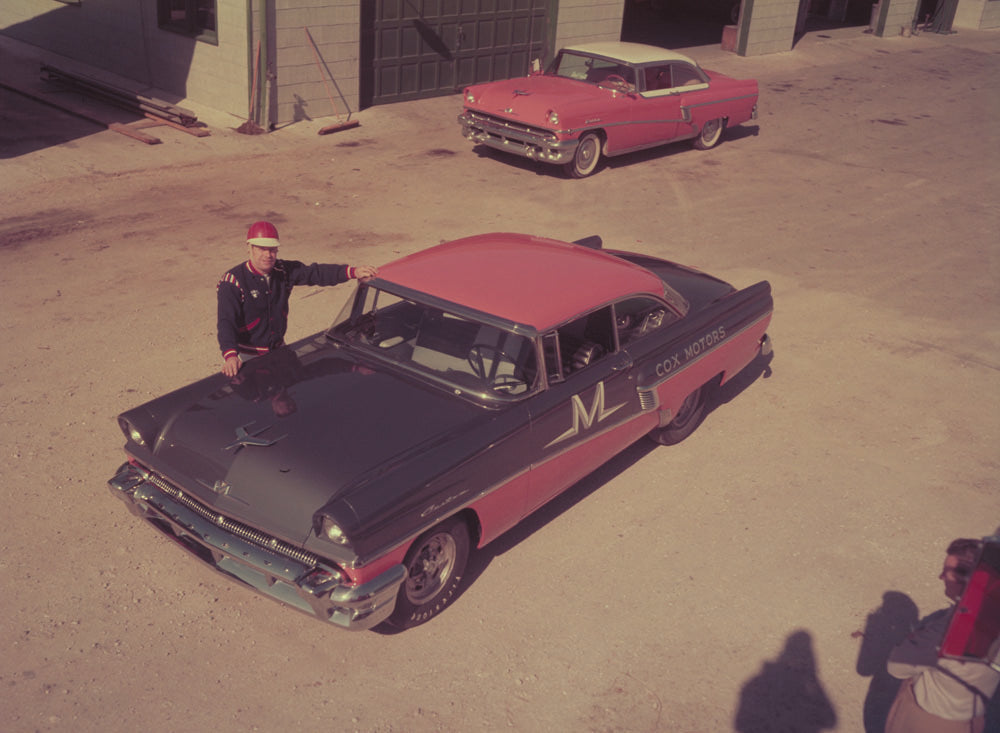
594	241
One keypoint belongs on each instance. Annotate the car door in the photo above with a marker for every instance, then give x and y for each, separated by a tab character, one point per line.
690	90
615	105
657	109
590	411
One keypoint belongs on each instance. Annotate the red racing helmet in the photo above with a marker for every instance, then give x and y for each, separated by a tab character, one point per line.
263	234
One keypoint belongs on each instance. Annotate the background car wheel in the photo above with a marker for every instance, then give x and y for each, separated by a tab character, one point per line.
684	423
434	568
587	156
710	135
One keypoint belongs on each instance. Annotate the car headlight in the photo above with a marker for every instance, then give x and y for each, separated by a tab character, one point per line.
133	433
332	531
552	116
470	98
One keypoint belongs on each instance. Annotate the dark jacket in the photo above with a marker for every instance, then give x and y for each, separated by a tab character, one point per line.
253	308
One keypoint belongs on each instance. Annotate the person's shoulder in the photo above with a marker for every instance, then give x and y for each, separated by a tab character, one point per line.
232	276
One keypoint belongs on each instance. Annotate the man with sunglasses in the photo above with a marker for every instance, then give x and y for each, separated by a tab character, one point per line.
253	296
941	695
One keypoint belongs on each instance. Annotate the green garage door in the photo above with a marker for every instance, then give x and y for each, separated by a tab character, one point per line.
423	48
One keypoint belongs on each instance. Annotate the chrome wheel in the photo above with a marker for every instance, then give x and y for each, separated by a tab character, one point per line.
688	418
710	135
431	567
434	567
586	157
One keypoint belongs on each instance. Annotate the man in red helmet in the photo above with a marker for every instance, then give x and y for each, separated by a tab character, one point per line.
253	296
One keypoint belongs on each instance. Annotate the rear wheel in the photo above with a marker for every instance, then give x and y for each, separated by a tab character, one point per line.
688	418
586	157
434	568
710	135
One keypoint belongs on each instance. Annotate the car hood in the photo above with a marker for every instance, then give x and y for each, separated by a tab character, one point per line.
529	99
282	440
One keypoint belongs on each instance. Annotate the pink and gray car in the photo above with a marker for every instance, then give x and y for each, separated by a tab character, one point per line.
606	99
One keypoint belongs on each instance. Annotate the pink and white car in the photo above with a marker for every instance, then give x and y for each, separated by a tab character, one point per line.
606	98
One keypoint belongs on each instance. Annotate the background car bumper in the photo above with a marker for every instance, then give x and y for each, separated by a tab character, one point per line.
250	557
519	140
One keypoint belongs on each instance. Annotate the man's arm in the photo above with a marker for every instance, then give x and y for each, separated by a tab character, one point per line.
316	274
919	650
230	307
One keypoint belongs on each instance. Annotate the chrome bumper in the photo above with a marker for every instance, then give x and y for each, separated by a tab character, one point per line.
511	139
304	582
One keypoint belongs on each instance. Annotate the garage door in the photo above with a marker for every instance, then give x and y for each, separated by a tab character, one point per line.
426	48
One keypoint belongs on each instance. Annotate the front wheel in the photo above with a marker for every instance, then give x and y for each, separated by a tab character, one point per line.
586	157
688	418
434	568
711	133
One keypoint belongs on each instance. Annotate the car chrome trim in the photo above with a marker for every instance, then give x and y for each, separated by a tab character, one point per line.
530	142
270	566
710	102
245	438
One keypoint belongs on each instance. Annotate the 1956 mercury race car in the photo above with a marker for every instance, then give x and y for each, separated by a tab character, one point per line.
606	98
350	474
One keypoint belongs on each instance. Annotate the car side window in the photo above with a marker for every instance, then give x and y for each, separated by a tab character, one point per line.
579	344
657	77
684	75
638	317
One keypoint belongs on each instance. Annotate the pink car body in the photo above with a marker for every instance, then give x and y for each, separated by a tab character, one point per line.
606	99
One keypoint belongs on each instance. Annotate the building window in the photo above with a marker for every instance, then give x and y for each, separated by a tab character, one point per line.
195	18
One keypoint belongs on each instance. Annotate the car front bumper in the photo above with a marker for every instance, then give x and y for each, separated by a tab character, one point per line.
500	134
270	566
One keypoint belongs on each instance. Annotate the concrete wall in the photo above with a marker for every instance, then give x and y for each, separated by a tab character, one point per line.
586	21
304	87
121	37
991	15
767	26
895	15
214	75
977	14
105	34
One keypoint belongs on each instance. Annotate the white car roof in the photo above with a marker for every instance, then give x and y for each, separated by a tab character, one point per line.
630	53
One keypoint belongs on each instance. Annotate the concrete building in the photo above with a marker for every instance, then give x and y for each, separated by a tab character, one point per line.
278	61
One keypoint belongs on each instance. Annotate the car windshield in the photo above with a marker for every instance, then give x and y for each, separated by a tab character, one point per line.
591	69
454	350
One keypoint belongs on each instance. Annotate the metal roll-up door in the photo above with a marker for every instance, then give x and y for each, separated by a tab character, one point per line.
426	48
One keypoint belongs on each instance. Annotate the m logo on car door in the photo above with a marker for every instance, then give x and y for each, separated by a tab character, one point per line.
584	418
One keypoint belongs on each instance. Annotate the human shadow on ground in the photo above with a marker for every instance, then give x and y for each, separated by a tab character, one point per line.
786	697
885	627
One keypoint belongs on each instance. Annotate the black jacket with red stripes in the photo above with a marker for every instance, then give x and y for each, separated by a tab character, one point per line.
253	308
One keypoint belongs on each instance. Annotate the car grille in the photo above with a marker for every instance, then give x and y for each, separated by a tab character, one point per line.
504	127
256	537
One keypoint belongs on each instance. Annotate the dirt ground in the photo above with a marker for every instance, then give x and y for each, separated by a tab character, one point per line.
748	579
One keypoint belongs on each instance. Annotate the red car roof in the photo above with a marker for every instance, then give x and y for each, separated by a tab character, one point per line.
533	281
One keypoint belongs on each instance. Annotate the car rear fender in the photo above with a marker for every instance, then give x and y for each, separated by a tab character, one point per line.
716	344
